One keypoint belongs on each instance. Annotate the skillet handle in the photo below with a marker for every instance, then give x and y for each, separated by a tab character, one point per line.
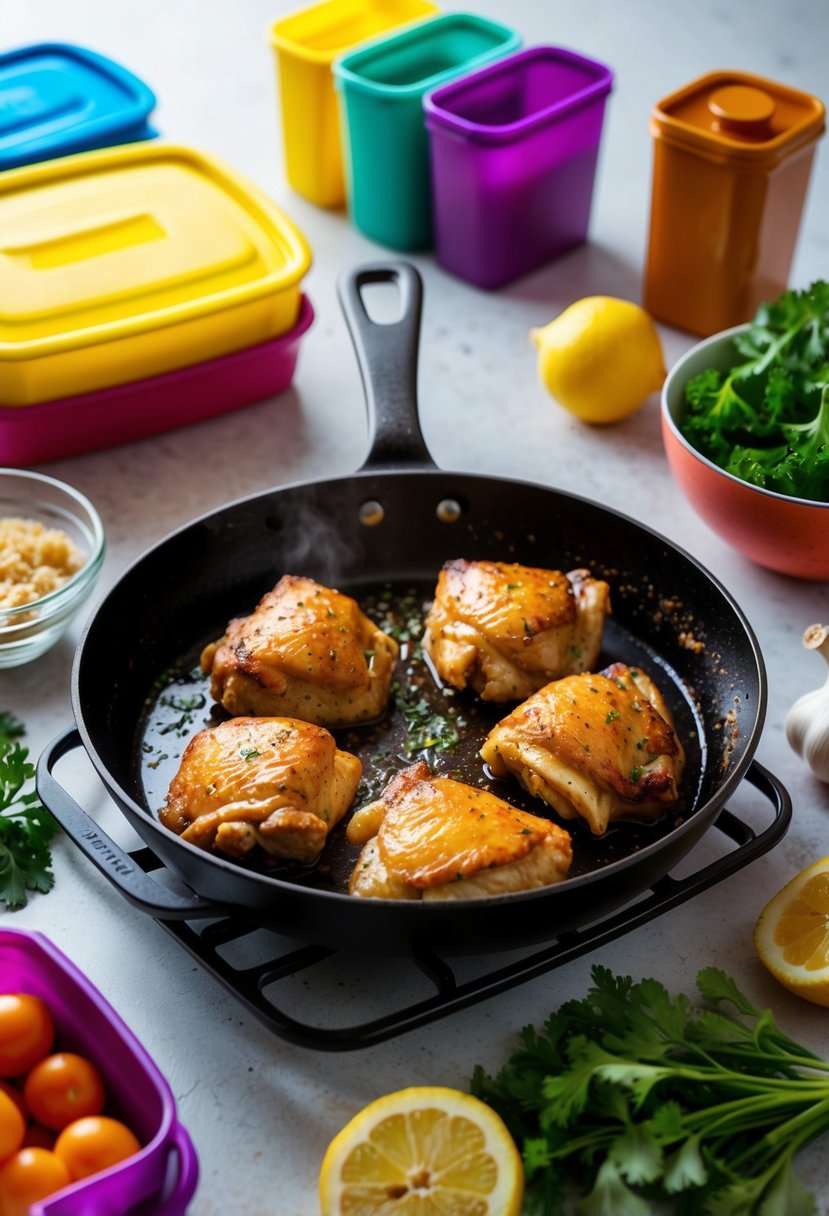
113	862
387	357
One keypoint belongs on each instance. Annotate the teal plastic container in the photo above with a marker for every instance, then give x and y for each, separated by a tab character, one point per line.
386	148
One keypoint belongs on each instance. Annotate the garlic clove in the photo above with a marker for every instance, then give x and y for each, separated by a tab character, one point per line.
807	723
799	719
816	753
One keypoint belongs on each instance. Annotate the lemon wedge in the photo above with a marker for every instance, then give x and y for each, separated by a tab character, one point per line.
601	358
791	936
423	1151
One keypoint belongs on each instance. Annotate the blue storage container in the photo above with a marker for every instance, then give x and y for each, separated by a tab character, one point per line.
56	99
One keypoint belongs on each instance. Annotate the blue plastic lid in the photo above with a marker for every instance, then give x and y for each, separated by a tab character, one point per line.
56	99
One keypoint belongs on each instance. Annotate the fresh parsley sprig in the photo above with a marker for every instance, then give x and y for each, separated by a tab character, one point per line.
26	827
633	1097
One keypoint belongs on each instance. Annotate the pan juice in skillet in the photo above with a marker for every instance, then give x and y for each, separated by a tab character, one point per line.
424	721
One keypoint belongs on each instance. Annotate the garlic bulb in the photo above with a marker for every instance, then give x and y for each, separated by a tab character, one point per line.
807	724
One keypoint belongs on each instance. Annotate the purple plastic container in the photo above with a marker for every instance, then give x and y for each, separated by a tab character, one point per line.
162	1177
30	434
514	148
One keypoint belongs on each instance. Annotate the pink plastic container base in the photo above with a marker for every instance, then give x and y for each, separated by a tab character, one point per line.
514	148
161	1179
51	430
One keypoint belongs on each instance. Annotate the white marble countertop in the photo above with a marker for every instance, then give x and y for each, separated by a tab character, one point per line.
260	1111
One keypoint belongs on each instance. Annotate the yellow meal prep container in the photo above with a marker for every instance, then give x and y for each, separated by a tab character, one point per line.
120	264
306	43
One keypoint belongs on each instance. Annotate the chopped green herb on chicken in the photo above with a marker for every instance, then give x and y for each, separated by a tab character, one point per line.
425	728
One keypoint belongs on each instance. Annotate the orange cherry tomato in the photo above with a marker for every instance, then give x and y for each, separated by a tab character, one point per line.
62	1088
27	1032
31	1174
12	1126
90	1145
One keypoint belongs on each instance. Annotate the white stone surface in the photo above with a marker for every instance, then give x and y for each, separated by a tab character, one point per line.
260	1111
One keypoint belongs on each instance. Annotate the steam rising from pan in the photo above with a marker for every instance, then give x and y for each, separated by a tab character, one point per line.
321	545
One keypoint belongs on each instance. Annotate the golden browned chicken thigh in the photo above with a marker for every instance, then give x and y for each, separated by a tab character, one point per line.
305	652
506	630
434	838
597	746
275	782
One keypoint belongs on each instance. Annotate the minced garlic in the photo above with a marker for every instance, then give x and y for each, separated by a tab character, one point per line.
34	560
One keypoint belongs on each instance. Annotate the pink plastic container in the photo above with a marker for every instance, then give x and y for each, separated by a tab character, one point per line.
162	1177
30	434
514	147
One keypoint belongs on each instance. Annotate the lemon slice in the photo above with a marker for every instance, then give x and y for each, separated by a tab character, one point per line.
791	936
423	1151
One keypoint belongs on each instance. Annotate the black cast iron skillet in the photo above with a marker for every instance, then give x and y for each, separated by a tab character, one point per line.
397	519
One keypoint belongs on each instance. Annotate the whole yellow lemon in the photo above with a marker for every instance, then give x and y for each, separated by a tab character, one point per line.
601	358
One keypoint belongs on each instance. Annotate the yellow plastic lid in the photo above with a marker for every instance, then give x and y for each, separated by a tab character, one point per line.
739	116
320	32
107	245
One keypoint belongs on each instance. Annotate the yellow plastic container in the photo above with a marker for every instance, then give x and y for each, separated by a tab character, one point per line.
732	157
306	43
121	264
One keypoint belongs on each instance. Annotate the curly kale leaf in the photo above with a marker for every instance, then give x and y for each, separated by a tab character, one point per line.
808	457
764	418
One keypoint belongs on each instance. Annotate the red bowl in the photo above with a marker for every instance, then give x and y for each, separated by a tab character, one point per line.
789	535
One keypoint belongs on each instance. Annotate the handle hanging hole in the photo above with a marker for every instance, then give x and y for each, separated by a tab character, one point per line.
448	511
372	513
382	302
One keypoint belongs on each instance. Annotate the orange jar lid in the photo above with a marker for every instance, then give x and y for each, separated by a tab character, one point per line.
739	116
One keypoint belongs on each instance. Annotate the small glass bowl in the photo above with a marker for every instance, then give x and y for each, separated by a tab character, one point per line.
30	629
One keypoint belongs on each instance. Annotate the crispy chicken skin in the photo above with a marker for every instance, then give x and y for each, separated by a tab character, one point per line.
275	782
307	652
597	746
435	838
506	630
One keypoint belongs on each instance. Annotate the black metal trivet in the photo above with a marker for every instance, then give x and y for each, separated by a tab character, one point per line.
220	945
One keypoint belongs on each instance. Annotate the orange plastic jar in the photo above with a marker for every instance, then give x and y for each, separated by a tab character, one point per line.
732	158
